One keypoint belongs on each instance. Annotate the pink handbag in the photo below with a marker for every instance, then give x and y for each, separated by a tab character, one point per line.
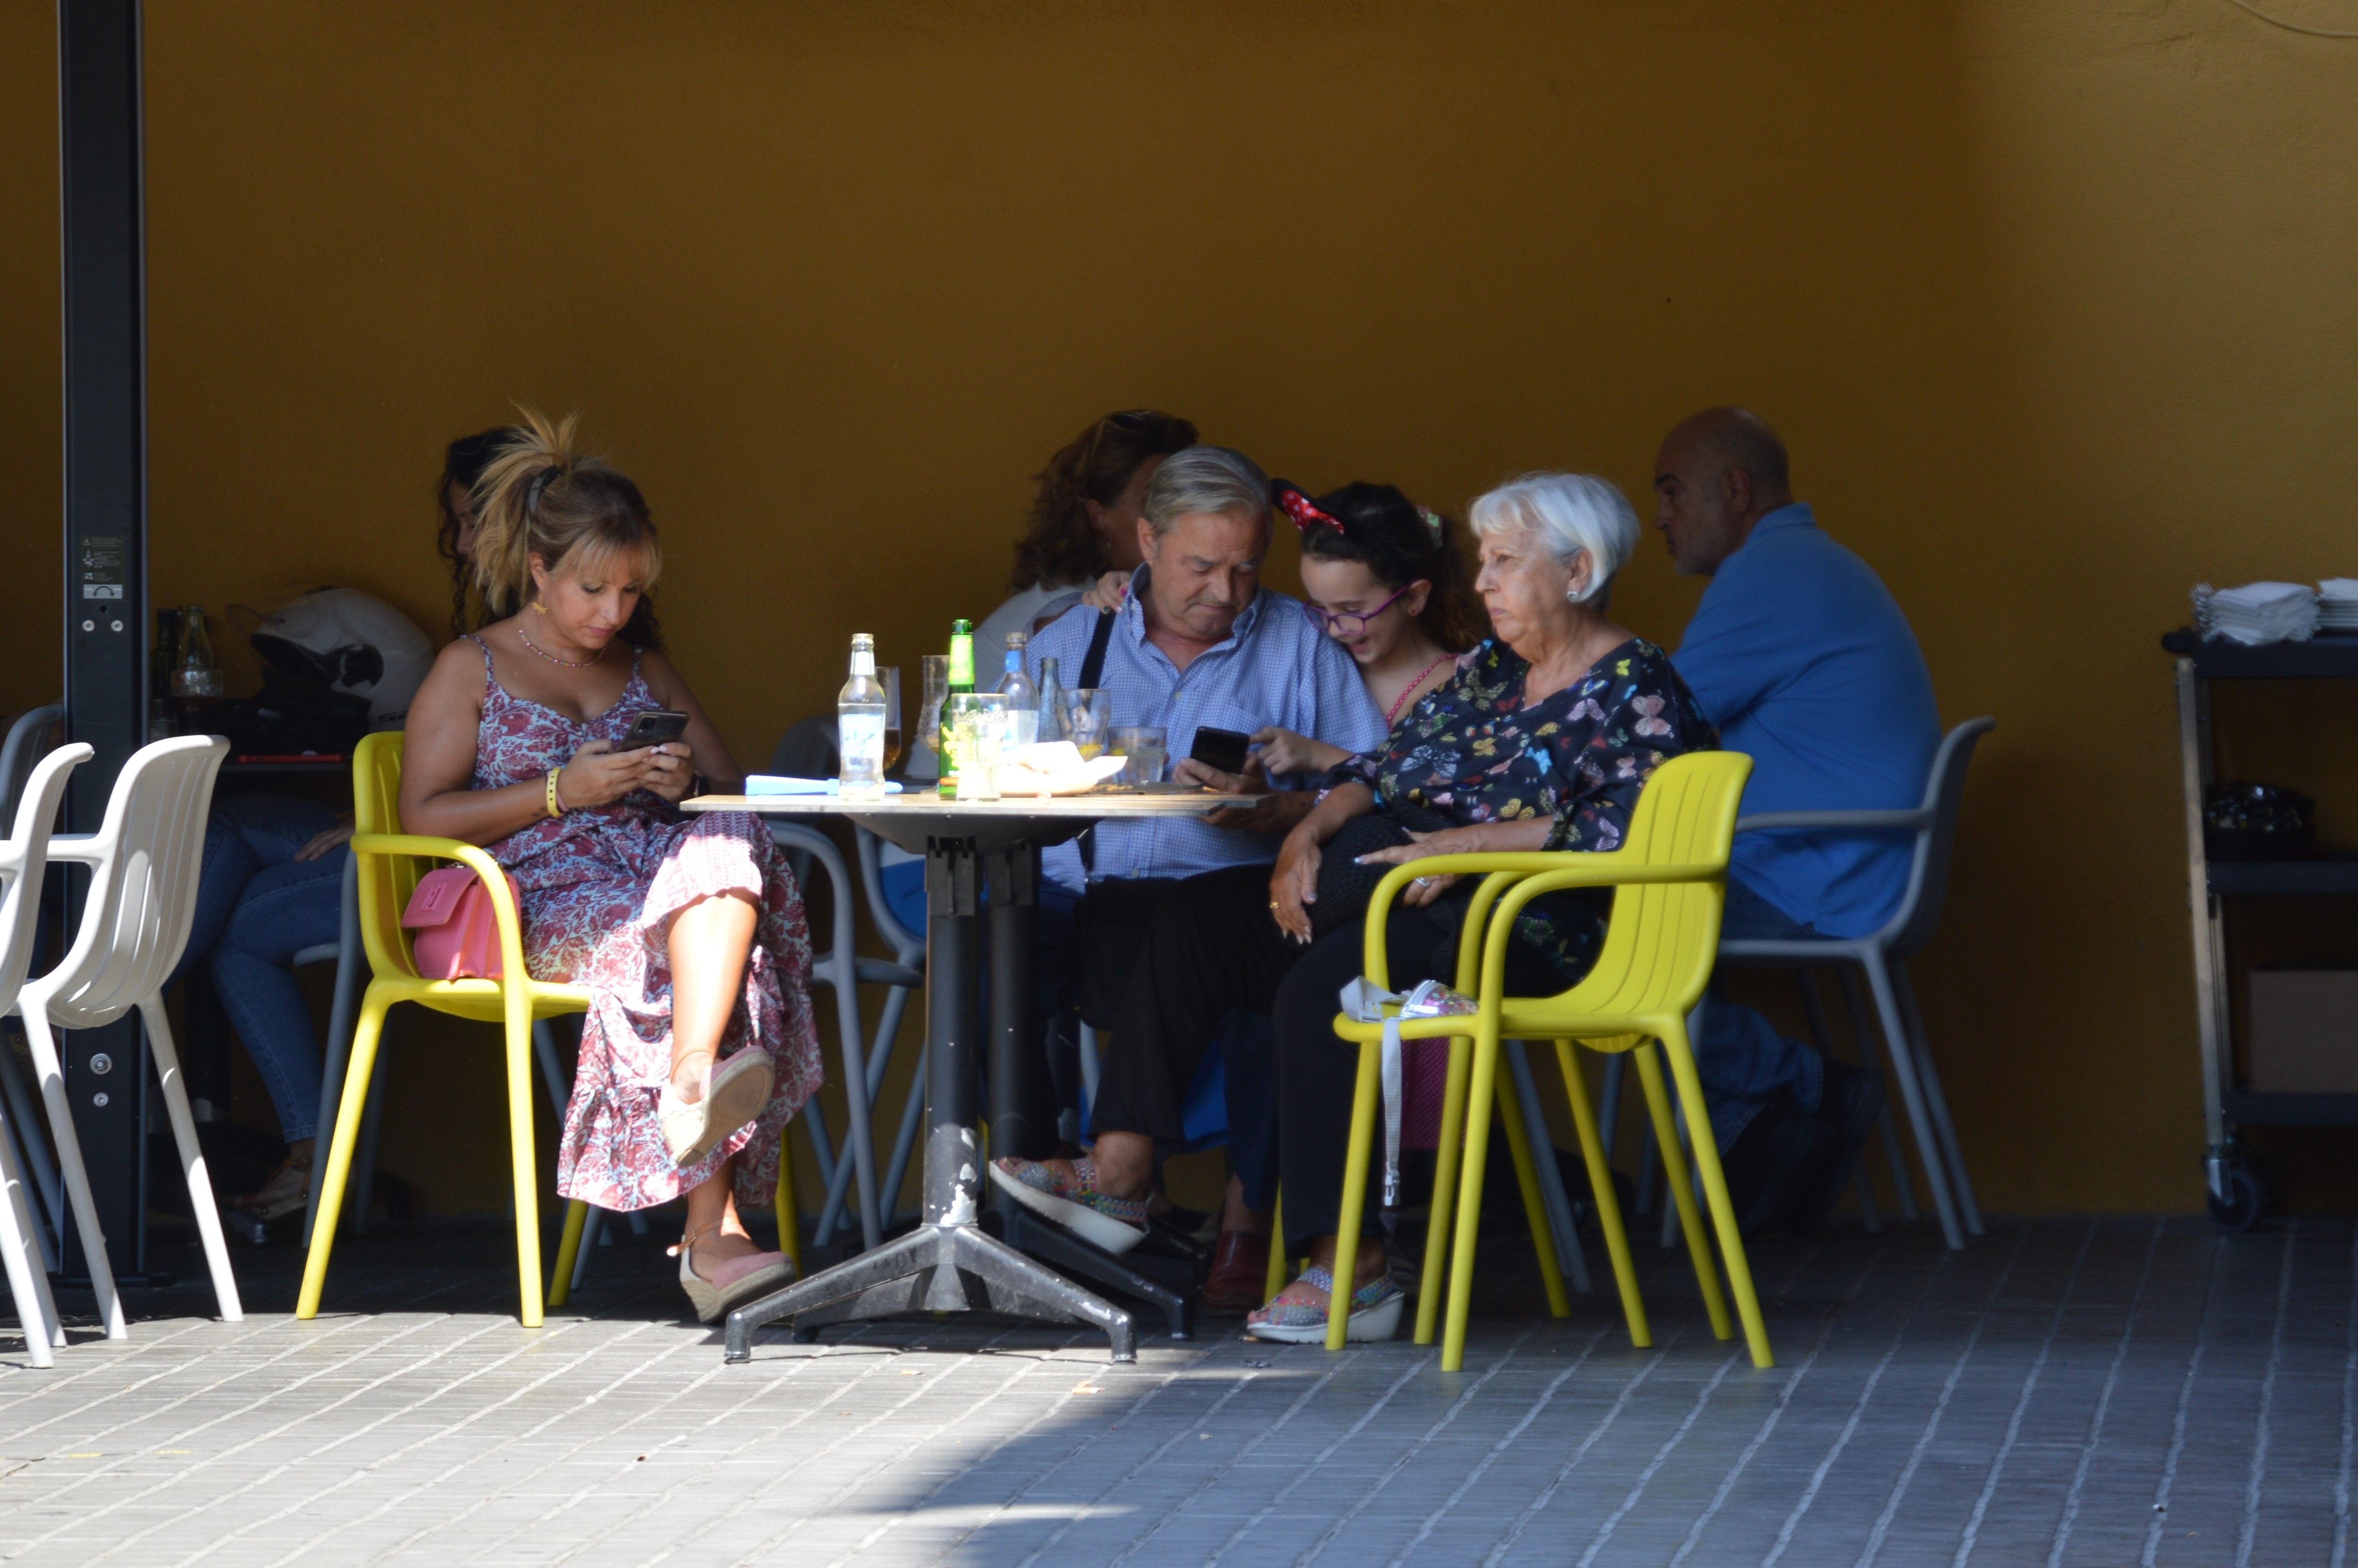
458	934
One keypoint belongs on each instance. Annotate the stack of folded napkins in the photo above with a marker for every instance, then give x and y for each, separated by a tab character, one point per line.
1054	767
2337	604
2258	613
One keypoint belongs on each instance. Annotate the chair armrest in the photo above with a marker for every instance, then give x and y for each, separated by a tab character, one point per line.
83	848
1853	821
1559	867
488	870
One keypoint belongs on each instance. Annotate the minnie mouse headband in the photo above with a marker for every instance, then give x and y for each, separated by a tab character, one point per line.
1307	514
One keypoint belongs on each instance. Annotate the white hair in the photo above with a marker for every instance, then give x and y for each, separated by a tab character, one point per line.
1206	479
1572	515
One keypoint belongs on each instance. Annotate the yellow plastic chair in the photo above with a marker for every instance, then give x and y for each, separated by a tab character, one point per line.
389	862
1669	878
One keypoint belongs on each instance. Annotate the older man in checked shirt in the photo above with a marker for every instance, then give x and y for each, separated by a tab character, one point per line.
1199	642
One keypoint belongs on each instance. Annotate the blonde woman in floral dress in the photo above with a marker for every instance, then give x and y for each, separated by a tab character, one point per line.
699	1046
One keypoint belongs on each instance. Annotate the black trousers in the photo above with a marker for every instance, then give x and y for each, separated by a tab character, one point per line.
1212	946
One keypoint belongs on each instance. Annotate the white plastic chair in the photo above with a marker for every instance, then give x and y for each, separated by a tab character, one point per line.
22	860
26	744
144	861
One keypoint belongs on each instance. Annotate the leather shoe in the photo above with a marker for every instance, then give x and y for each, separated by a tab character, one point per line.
1849	1108
1239	1275
1777	1146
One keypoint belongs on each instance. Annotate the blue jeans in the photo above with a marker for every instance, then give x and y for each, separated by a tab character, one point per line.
1742	1060
257	906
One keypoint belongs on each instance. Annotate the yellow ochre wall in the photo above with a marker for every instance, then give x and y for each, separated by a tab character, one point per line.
2055	304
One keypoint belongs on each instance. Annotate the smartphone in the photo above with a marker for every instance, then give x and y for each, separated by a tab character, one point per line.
1221	748
655	726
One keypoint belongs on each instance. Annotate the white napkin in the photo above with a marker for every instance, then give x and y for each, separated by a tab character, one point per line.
1054	767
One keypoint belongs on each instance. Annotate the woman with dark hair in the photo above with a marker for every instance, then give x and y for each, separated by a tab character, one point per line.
1083	523
689	932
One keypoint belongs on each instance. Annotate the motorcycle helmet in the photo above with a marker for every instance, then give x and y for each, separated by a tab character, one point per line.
353	642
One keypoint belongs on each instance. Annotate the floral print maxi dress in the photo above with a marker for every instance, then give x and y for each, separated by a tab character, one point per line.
600	886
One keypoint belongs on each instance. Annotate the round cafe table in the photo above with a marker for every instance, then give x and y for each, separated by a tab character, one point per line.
949	1263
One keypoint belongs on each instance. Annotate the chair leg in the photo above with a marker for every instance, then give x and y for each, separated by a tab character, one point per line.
1855	1002
1543	1164
192	1158
788	1205
363	1186
520	1152
571	1251
1715	1186
29	1282
1481	1094
1821	1037
1365	1124
906	1140
1275	1279
1526	1177
1920	1049
351	974
358	1073
72	1173
48	1196
1592	1150
1682	1190
1455	1084
1919	1117
1608	1104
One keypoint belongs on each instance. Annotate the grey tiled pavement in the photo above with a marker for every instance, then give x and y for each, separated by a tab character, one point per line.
2030	1401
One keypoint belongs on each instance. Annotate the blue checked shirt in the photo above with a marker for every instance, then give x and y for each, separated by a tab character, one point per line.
1276	667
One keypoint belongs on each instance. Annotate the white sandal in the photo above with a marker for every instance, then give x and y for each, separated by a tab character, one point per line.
734	1093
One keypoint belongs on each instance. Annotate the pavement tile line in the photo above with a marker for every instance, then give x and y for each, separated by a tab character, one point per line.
1407	1455
985	1400
1832	1315
2022	1404
2348	1414
685	1343
2185	1395
1532	1509
273	1396
1661	1455
2257	1474
1336	1365
263	1480
320	1542
1088	1511
915	1508
2094	1439
440	1435
1417	1364
1810	1493
1882	1529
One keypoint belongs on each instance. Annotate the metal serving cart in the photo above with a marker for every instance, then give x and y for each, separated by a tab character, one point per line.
2237	1191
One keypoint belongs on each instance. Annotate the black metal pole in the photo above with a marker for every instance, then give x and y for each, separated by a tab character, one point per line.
1022	1122
100	198
953	1160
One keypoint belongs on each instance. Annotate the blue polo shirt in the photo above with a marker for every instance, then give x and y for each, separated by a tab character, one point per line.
1804	661
1274	667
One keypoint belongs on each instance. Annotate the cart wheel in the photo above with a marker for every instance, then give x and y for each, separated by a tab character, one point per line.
2246	1197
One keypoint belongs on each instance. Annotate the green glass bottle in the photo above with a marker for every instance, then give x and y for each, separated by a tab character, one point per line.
961	680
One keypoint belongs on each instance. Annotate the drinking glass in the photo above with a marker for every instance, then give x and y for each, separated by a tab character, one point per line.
1145	746
890	676
1089	716
979	731
937	686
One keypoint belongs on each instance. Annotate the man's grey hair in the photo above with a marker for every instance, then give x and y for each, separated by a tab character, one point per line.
1569	514
1206	479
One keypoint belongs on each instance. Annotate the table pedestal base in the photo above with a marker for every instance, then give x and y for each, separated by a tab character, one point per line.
1060	1249
938	1268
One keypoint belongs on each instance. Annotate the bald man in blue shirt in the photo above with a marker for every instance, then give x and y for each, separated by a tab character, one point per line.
1802	659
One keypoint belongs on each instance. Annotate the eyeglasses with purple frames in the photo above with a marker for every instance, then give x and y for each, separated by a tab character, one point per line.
1351	625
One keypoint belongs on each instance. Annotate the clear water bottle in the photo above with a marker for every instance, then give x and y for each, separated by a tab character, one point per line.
859	725
1022	696
1052	703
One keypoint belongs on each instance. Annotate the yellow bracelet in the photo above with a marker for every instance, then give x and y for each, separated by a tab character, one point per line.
556	806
